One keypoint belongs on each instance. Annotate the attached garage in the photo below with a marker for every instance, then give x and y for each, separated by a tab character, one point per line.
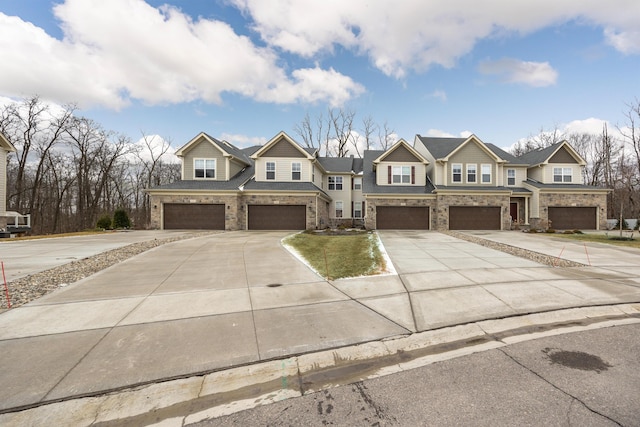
402	217
193	216
277	217
474	217
573	218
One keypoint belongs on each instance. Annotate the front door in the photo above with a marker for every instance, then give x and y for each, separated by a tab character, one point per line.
513	210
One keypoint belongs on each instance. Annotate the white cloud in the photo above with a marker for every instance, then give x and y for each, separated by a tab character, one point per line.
413	35
627	42
437	133
242	141
120	50
154	147
439	94
537	74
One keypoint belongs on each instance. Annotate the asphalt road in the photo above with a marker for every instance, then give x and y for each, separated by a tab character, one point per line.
587	378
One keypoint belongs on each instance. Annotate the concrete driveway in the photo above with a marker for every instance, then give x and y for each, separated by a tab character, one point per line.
213	302
24	257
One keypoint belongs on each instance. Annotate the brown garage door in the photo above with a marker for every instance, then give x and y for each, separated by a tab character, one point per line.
193	217
277	217
474	217
402	218
573	218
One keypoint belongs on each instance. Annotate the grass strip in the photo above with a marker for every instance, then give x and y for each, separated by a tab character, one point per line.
340	256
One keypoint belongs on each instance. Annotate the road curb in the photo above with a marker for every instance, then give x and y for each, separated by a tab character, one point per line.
183	401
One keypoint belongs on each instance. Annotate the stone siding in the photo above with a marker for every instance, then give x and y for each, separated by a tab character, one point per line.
548	200
371	204
230	202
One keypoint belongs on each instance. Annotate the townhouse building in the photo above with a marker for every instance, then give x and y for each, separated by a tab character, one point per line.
431	184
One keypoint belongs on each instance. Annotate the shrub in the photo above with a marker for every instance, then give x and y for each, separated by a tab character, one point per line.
121	219
104	222
550	230
625	225
533	230
578	232
568	232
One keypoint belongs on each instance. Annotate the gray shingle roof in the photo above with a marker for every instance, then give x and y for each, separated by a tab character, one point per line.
440	147
470	188
337	164
206	184
231	149
282	186
562	186
536	157
504	155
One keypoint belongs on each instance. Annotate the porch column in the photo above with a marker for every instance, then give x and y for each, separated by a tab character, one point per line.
526	211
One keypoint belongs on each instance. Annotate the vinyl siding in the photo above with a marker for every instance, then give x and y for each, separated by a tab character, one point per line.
562	156
283	148
204	150
382	172
471	153
576	173
234	168
343	195
521	175
283	169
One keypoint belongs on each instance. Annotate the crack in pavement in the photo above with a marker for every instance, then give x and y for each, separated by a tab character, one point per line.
574	398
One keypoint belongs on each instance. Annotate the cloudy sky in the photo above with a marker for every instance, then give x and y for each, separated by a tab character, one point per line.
243	70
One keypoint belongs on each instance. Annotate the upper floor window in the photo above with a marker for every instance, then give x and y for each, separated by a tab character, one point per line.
357	183
401	175
486	174
456	172
335	183
271	170
339	209
296	168
205	168
562	174
472	171
511	177
357	209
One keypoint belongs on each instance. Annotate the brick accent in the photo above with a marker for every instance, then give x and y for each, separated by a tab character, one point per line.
571	200
444	201
236	210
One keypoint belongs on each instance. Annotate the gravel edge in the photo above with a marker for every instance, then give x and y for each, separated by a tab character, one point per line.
28	288
513	250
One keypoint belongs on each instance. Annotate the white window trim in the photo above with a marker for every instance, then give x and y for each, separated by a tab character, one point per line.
335	183
205	160
356	209
357	183
266	171
453	167
299	171
473	166
563	175
482	174
515	174
341	209
401	175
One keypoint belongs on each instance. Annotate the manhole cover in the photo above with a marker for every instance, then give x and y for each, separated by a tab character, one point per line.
274	285
576	360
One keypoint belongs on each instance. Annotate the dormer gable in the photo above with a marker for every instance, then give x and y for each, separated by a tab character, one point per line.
282	145
560	152
476	141
225	148
401	152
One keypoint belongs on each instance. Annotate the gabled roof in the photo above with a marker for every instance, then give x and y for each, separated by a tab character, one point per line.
4	143
401	143
542	156
509	158
309	153
339	164
443	148
211	185
228	149
369	185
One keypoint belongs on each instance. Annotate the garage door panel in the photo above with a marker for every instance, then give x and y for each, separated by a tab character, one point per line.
474	217
193	216
402	218
277	217
570	218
